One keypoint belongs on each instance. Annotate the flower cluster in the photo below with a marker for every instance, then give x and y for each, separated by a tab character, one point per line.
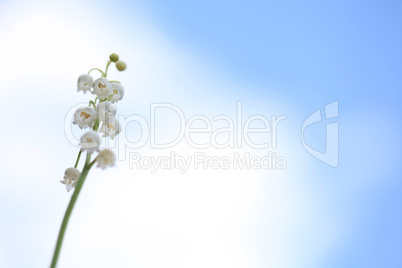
98	116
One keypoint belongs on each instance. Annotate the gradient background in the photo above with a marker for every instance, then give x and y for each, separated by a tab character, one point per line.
279	58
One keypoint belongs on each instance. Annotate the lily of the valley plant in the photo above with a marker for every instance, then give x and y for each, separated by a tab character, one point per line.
98	117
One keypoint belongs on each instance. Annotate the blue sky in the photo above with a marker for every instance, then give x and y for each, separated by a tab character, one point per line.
278	58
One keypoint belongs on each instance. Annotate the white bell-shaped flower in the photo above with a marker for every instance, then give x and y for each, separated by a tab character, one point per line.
102	88
111	127
90	142
105	158
84	83
106	109
85	117
71	176
117	92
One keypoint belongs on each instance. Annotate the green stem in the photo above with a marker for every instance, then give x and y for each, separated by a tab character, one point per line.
92	103
96	125
97	70
93	162
107	67
70	207
78	159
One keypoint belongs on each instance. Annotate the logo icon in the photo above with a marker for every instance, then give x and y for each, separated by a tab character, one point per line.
331	154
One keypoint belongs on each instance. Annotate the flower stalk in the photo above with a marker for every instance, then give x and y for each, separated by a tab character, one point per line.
70	207
92	116
78	159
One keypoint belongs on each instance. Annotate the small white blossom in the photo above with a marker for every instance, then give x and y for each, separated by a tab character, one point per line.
85	117
102	88
71	176
106	109
90	142
105	158
111	127
117	91
84	83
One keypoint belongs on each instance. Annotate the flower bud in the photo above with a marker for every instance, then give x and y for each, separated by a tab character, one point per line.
121	65
114	57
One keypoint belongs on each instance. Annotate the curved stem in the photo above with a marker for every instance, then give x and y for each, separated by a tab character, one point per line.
92	103
70	207
97	70
107	67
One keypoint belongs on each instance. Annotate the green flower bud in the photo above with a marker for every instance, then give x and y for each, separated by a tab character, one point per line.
114	57
121	65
